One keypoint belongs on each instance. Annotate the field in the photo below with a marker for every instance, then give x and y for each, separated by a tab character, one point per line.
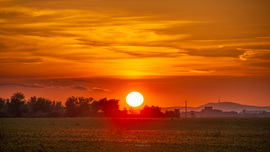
100	134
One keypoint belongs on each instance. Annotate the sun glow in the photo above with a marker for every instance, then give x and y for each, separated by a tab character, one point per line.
134	99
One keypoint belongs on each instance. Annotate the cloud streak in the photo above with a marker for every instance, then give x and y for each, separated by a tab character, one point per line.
55	86
22	85
100	89
72	38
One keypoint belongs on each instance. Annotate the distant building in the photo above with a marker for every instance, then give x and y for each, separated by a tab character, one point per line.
210	112
252	113
192	114
208	108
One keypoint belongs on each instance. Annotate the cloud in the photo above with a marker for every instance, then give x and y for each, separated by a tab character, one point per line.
215	52
93	43
147	54
59	84
254	53
79	87
64	86
67	38
262	64
12	14
48	86
83	84
20	60
99	89
201	71
22	85
247	54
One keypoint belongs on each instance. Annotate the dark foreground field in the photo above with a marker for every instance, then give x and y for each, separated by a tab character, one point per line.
97	134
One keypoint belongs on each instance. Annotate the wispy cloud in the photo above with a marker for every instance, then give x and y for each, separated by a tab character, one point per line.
79	87
100	89
215	52
62	85
201	71
254	53
22	85
20	60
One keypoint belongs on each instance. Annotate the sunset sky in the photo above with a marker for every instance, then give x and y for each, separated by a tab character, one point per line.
170	51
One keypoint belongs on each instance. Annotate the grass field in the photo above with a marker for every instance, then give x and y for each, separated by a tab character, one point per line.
98	134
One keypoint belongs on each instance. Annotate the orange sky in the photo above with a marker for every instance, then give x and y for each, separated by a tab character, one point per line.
167	50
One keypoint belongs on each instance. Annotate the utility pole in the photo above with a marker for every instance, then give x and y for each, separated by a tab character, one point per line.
186	108
219	99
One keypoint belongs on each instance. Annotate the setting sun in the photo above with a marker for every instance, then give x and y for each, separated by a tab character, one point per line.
134	99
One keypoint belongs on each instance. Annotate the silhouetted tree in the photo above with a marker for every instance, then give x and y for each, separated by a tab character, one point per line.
175	113
41	107
95	108
78	106
132	113
71	109
85	106
17	105
123	113
58	109
109	107
2	103
39	104
3	107
153	111
169	113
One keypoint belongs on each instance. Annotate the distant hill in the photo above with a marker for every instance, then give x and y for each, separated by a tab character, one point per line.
224	106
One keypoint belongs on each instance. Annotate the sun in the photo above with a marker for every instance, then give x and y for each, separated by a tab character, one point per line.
134	99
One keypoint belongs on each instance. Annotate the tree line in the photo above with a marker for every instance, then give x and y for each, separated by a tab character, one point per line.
18	106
